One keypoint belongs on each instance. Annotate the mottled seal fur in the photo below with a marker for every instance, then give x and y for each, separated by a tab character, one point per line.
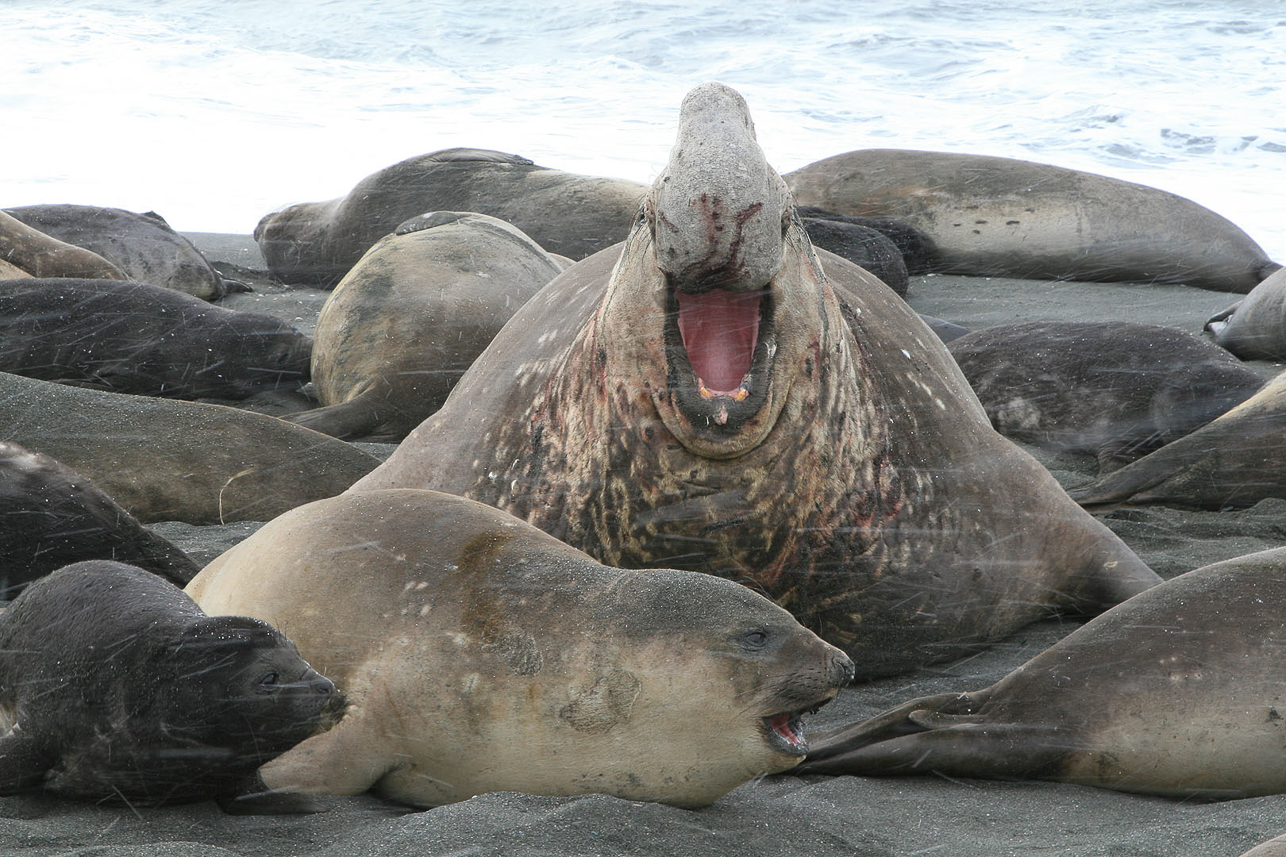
716	396
144	339
572	215
1176	692
402	326
1117	389
993	216
114	686
51	516
36	254
144	246
1254	328
481	654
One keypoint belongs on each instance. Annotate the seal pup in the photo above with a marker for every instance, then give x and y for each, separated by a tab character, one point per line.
144	246
717	397
1117	389
51	516
1254	328
480	654
115	687
315	243
1230	463
1003	217
35	254
1176	692
144	339
407	320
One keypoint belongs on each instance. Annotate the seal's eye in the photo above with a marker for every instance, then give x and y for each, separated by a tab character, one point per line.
268	681
754	639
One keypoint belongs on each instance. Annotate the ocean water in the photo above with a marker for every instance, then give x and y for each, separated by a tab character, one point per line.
216	112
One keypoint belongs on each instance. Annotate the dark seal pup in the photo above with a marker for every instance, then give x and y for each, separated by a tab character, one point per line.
717	397
1178	692
114	686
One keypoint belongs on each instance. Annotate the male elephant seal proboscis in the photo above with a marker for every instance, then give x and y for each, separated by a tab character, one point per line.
402	326
36	254
115	687
1176	692
993	216
715	397
316	243
166	460
144	246
1114	388
1231	462
144	339
51	516
480	654
1254	328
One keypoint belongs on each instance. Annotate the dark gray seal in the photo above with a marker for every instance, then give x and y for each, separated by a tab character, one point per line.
144	246
1176	692
1254	328
317	242
144	339
993	216
114	686
715	396
51	516
1117	389
889	249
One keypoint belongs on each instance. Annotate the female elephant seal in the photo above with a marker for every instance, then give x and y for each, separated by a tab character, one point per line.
1176	692
480	654
721	400
1254	328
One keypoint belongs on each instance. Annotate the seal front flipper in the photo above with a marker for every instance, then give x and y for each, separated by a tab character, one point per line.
254	798
345	760
23	762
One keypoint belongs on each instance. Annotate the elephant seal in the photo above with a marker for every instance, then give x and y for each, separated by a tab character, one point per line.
1114	388
1254	328
51	516
1275	847
35	254
315	243
166	460
402	326
1231	462
144	339
1175	692
717	397
993	216
480	654
114	686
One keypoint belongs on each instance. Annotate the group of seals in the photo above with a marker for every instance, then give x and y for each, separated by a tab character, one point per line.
114	686
715	396
480	654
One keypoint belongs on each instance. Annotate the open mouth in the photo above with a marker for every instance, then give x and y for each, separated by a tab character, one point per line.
786	730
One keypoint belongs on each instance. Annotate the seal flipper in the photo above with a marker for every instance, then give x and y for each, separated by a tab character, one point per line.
23	762
254	798
344	760
355	419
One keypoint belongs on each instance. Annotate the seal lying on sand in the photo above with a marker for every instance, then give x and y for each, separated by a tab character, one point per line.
51	516
1114	388
142	245
36	254
721	400
1004	217
144	339
114	686
402	326
1232	462
1175	692
1254	328
480	654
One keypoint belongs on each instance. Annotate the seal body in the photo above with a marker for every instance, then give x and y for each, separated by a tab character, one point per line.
402	326
567	214
993	216
1176	692
752	409
26	251
144	339
1255	327
1117	389
480	654
143	246
114	686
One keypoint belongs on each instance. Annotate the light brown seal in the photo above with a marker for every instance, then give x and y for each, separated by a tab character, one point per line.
1254	328
717	397
1178	692
36	254
480	654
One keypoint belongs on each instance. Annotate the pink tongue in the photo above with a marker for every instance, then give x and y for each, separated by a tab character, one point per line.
781	725
719	330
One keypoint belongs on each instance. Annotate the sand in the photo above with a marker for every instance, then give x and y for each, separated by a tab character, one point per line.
782	815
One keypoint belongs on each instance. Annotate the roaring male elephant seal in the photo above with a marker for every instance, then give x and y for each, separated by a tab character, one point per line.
715	397
1254	328
1176	692
402	326
993	216
36	254
480	654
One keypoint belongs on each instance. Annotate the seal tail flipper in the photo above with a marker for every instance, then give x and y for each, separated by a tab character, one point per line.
351	420
23	762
